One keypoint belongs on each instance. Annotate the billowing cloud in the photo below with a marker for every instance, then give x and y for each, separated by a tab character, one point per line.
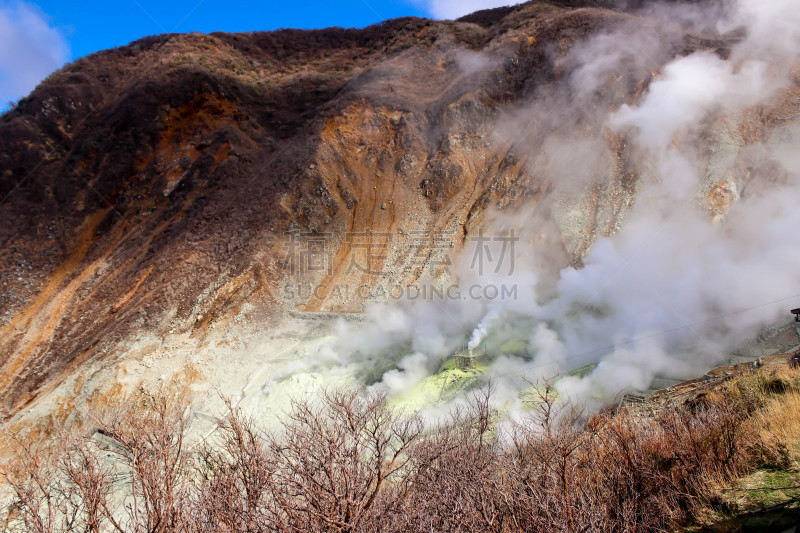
451	9
30	49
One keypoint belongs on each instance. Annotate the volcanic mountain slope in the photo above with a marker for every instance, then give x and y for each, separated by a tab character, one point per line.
159	186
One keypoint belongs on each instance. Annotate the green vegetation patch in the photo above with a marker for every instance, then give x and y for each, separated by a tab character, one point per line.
764	488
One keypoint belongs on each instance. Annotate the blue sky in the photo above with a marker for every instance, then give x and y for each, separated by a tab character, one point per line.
39	36
93	25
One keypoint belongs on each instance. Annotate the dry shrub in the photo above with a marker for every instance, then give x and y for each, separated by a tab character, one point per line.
346	462
59	485
628	475
450	484
707	444
37	505
145	433
90	480
624	471
233	475
332	462
542	483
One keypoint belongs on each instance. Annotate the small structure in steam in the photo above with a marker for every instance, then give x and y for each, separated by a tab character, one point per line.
468	358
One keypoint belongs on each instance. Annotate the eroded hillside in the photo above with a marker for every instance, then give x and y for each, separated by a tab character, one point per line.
159	188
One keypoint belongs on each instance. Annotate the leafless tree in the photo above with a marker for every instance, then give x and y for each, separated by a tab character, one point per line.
347	462
145	433
334	459
542	465
89	478
449	486
233	478
29	475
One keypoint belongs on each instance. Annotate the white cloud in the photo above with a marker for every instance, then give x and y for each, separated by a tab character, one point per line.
30	49
452	9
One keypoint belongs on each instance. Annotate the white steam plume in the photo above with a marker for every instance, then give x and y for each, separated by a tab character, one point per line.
676	284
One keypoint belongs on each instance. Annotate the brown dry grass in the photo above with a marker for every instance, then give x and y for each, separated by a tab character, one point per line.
781	418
